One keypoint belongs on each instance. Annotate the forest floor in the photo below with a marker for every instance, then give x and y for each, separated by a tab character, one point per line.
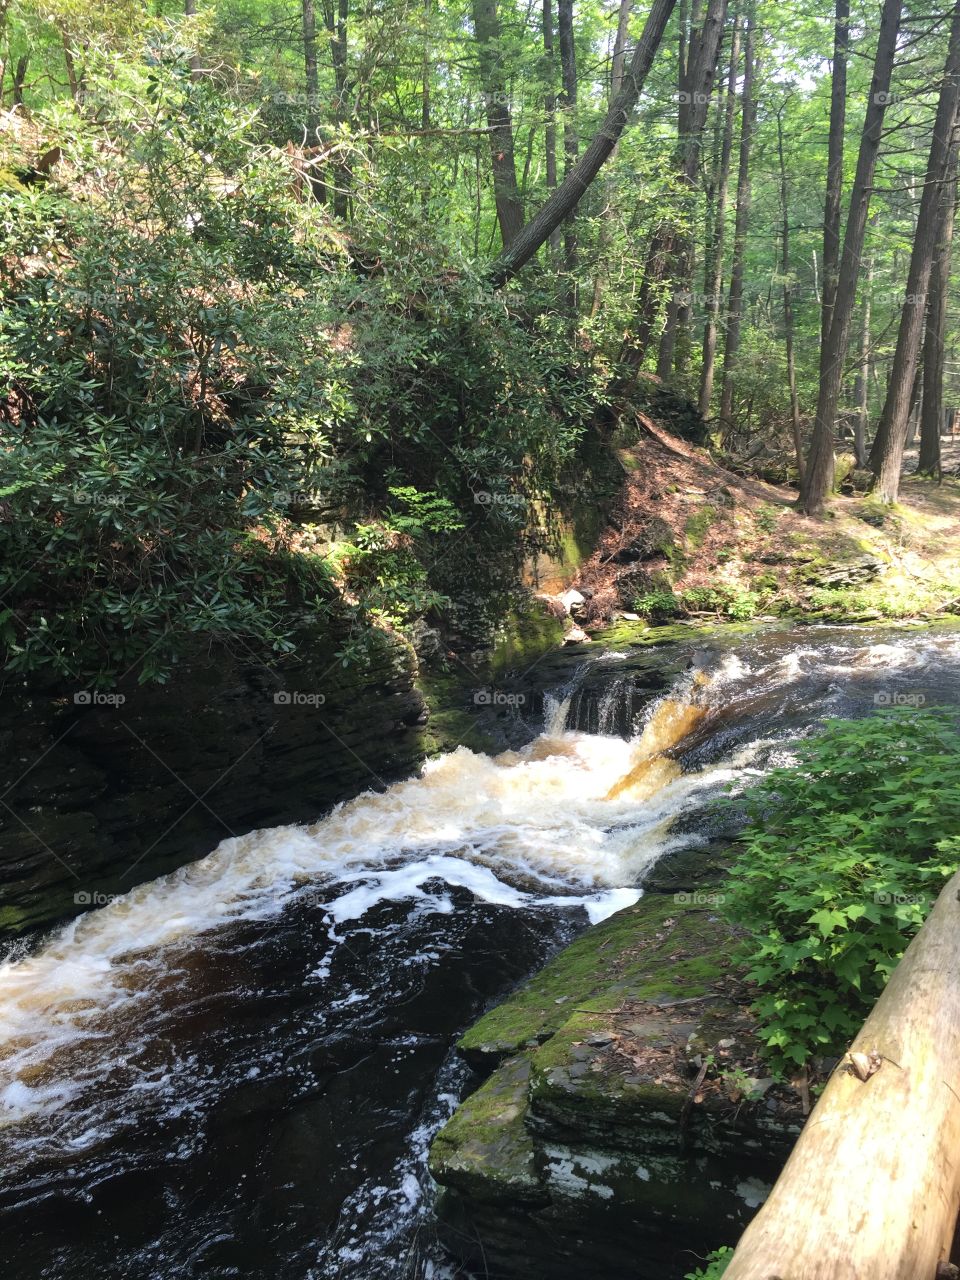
689	538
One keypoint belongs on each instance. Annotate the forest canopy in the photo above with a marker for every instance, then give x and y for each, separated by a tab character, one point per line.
293	292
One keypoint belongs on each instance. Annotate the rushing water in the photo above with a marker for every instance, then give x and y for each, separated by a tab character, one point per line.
236	1069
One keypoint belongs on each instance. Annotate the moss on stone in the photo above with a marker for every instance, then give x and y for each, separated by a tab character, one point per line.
485	1150
524	638
657	948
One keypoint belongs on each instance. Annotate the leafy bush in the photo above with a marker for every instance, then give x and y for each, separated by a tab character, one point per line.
191	359
658	606
663	604
843	857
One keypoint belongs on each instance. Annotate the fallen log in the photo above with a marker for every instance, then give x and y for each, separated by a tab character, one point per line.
872	1188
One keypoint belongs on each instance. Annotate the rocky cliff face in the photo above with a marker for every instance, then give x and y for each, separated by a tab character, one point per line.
102	790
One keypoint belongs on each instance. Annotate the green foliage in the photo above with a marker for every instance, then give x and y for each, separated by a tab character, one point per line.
843	857
729	602
717	1263
192	363
658	605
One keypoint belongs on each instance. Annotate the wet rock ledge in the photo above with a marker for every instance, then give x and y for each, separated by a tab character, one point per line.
625	1125
104	789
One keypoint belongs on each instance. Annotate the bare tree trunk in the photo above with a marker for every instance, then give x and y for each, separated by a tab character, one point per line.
701	68
311	77
741	220
788	299
818	476
606	213
568	195
335	22
550	107
619	60
886	457
571	136
863	379
71	66
506	194
190	11
931	415
19	76
831	212
713	272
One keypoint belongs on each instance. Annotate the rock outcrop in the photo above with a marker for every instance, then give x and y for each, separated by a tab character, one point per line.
625	1126
105	789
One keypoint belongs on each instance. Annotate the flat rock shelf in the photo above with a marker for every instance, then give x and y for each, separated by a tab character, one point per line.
624	1125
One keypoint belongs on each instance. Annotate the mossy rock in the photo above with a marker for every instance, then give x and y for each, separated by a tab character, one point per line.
623	955
485	1150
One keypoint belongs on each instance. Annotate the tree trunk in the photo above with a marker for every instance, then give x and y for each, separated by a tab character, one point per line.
886	457
831	212
550	108
863	379
703	50
788	299
506	194
606	213
872	1188
311	77
335	21
713	272
575	183
818	476
19	76
916	400
70	64
931	415
190	11
741	220
571	136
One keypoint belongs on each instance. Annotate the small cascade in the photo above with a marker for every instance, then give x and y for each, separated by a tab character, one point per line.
606	710
615	708
560	703
671	721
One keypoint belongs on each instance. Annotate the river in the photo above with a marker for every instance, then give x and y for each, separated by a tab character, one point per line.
235	1070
